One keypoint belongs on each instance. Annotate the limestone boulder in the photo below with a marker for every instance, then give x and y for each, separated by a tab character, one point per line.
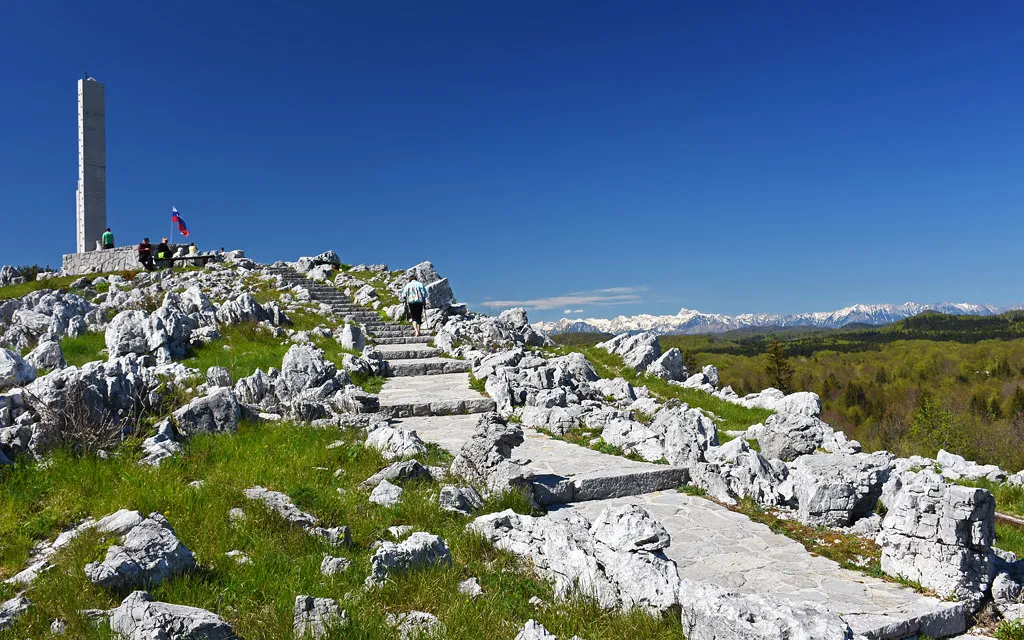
464	500
669	366
150	553
688	434
940	535
788	436
15	371
47	355
637	351
710	612
439	294
836	490
9	275
386	494
139	617
316	617
304	367
485	460
419	550
217	412
395	443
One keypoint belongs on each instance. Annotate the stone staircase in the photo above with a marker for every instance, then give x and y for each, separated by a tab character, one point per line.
430	394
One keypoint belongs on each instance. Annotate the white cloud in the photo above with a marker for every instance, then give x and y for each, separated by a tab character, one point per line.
570	311
569	302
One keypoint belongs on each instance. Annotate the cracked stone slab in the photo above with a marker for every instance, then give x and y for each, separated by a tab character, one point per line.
712	544
563	472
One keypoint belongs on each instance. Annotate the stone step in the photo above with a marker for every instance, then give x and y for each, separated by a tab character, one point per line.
712	544
393	352
439	395
563	472
406	340
427	367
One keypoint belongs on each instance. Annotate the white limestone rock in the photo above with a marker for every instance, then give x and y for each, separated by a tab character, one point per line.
150	553
398	472
316	617
411	625
669	366
332	566
419	550
395	443
471	588
836	490
47	355
15	371
940	535
534	630
485	460
283	506
218	377
217	412
618	560
12	609
688	434
161	445
386	494
139	617
464	500
788	436
637	351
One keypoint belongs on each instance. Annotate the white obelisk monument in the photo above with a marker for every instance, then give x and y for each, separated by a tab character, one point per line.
91	196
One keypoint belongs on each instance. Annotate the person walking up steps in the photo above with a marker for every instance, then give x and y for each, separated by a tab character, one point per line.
107	239
414	294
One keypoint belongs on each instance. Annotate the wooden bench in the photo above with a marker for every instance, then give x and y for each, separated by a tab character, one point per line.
197	260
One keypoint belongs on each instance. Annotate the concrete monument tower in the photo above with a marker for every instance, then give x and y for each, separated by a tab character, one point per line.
91	196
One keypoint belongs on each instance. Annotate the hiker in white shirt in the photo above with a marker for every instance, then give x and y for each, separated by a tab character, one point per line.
414	295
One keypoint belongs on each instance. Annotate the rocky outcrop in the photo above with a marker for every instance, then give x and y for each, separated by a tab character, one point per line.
386	494
150	554
46	356
11	609
940	535
15	371
139	617
464	500
283	506
836	490
803	403
485	460
638	351
412	625
669	366
788	436
417	551
618	560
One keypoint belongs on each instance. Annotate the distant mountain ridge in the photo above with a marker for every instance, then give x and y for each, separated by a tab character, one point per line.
691	321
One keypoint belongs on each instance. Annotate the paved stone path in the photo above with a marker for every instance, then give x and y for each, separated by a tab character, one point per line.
565	472
431	394
712	544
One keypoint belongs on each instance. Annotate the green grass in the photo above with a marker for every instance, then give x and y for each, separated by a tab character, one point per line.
729	416
83	349
369	384
257	598
477	384
59	283
246	347
1010	630
1010	537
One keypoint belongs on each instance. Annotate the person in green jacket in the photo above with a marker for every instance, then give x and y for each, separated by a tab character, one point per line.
108	239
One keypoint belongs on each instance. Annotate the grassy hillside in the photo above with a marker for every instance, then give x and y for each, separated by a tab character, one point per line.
257	598
913	387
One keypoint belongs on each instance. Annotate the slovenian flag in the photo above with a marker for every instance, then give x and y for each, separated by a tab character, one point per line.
181	223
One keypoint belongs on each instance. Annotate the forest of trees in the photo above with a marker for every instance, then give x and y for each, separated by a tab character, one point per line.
920	385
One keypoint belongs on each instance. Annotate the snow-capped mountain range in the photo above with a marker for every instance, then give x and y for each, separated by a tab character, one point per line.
690	321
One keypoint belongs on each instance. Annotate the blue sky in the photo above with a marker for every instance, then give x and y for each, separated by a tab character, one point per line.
610	157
